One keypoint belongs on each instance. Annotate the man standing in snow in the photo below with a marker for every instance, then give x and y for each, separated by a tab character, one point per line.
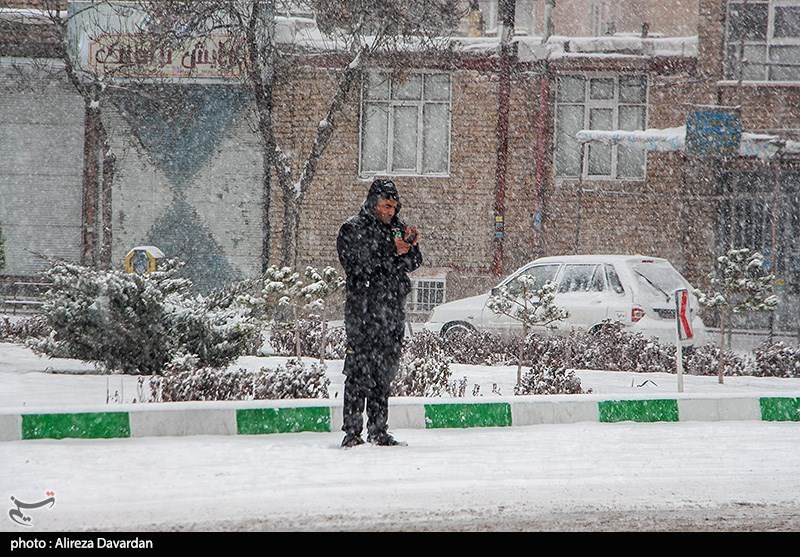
377	252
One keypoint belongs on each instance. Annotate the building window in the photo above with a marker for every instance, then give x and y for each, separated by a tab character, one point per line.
405	124
762	40
524	16
615	102
426	293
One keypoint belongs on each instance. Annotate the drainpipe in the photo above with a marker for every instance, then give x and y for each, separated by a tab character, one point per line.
541	151
507	8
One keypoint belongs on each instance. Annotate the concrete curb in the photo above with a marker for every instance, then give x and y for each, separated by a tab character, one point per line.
283	416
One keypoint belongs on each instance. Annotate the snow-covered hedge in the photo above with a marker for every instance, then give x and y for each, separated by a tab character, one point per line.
282	339
549	380
424	367
138	323
777	360
32	326
183	381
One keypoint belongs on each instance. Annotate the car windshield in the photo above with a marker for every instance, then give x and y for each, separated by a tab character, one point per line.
661	279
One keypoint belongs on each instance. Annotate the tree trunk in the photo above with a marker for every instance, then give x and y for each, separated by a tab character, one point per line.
106	191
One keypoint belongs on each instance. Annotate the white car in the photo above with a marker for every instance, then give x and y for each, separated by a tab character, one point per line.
637	291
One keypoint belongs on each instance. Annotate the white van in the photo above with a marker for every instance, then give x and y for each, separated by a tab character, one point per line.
635	290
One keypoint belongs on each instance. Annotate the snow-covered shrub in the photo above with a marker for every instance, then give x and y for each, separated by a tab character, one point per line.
422	377
294	380
424	367
704	360
138	323
777	360
423	344
282	338
479	348
183	381
33	326
216	329
549	380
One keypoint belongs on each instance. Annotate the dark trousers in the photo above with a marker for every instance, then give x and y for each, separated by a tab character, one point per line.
358	394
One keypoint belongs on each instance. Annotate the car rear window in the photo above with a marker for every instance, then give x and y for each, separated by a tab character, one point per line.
659	279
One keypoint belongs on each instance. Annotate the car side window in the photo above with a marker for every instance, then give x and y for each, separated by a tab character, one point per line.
582	278
613	279
542	273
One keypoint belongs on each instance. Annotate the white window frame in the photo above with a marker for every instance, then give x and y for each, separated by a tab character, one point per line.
391	105
733	67
614	104
418	284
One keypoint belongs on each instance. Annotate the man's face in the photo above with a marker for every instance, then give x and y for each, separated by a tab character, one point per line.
385	210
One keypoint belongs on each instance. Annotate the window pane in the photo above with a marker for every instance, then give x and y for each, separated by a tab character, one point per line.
404	149
789	55
376	86
632	89
601	88
600	155
599	160
436	138
577	278
374	138
523	17
630	162
437	87
570	122
571	89
542	273
408	89
787	21
613	279
631	118
748	21
601	119
753	59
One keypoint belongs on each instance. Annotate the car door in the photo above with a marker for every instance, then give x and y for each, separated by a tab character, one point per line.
506	325
582	291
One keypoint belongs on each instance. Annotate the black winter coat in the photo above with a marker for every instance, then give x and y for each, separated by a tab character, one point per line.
377	282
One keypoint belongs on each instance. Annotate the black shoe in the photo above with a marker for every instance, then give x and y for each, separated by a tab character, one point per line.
384	440
352	440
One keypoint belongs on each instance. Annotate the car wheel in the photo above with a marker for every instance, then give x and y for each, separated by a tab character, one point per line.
455	329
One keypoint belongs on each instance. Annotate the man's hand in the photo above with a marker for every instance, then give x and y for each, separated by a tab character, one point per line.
403	245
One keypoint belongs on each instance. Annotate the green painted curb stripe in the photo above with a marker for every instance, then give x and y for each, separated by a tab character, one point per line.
99	425
468	415
283	420
639	410
780	409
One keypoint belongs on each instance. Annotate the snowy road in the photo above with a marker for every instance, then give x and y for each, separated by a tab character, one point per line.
688	476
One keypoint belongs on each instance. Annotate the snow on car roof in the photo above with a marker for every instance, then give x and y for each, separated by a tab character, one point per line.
598	258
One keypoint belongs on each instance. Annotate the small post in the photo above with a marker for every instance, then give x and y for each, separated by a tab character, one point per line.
683	330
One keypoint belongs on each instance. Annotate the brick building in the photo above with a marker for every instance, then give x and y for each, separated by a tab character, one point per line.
437	129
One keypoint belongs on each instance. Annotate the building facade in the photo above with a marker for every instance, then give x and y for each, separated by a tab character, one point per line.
482	147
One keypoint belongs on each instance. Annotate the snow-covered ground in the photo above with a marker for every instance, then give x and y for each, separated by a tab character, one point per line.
691	476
